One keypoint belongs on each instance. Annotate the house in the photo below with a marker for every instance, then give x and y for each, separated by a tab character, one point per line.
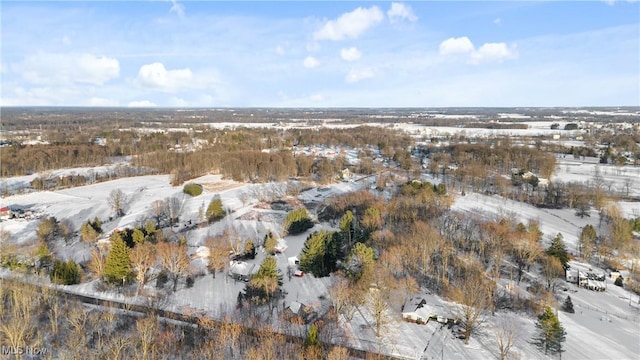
416	311
240	270
5	213
300	313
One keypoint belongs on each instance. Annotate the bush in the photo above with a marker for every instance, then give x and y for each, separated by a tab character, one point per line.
297	221
161	279
619	281
65	273
192	189
190	282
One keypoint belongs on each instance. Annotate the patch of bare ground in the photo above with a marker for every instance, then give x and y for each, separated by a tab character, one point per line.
222	185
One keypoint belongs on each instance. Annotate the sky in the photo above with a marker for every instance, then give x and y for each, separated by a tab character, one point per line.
320	54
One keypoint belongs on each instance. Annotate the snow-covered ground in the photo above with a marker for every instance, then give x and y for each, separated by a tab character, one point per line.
605	325
616	178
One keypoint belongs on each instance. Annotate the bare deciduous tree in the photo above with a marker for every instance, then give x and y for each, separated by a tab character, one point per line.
143	259
159	210
116	200
473	295
174	208
98	261
174	259
147	330
506	334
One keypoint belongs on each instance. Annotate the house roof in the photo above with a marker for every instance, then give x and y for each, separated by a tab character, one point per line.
241	268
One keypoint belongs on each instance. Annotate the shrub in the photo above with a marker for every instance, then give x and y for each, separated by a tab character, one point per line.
65	273
619	281
190	282
161	279
192	189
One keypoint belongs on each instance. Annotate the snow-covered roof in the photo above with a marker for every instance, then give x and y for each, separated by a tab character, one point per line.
241	268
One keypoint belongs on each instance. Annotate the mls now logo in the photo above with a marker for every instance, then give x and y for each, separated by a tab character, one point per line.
22	350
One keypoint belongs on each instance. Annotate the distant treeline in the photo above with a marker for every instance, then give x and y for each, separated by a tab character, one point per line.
495	126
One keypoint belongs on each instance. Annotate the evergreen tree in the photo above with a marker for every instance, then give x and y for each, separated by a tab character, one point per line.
297	221
44	256
138	236
346	226
333	252
360	263
550	334
215	211
117	268
249	250
313	253
619	281
270	242
65	273
269	269
265	284
558	250
312	337
567	306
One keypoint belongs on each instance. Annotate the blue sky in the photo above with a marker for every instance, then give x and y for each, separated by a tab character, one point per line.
320	54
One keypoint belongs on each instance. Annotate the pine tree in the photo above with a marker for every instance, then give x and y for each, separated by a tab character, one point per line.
249	250
313	253
297	221
558	250
360	263
138	236
265	283
65	273
117	268
269	269
346	226
215	211
567	306
551	334
270	242
312	337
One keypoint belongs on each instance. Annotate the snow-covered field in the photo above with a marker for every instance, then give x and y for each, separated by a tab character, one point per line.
619	179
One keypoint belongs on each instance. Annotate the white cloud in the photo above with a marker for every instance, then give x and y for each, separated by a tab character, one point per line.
350	25
96	101
141	103
455	46
488	52
177	8
399	12
356	75
350	54
497	21
493	52
310	62
156	76
66	40
50	68
280	50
